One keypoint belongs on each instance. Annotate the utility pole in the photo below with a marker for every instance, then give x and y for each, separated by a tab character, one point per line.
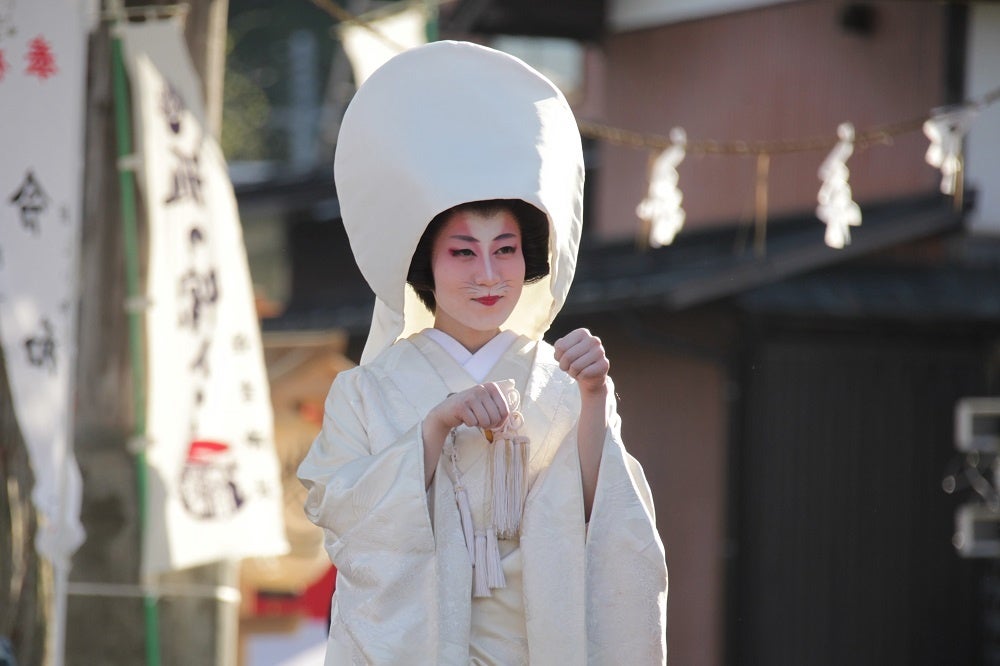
105	618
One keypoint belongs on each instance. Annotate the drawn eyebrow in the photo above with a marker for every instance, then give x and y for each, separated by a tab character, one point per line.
471	239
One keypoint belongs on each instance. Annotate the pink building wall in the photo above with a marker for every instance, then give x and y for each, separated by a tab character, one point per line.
783	72
674	421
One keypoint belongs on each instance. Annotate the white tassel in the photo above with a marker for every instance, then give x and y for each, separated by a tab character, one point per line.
481	587
498	475
512	511
465	512
494	570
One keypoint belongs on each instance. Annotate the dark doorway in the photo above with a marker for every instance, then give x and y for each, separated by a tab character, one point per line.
842	531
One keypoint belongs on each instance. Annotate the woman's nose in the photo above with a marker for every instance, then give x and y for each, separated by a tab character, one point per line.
487	271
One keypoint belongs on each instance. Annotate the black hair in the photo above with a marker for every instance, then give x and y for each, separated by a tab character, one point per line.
534	227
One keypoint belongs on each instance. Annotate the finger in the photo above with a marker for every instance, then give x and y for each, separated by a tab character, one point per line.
497	417
592	357
577	351
559	348
471	418
593	363
568	341
490	405
492	413
487	413
475	395
493	392
468	416
499	399
569	354
598	369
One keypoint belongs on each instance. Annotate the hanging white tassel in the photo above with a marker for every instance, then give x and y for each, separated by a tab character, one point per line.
480	586
494	570
508	469
518	480
465	513
498	483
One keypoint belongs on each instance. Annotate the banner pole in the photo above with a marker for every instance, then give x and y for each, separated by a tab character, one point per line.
126	179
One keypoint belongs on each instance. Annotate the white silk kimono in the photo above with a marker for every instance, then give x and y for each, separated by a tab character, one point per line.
404	586
436	126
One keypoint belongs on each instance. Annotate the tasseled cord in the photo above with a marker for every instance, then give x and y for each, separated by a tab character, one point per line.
508	482
504	498
488	569
484	550
462	499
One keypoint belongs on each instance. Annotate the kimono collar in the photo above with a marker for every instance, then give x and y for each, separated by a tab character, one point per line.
444	124
477	364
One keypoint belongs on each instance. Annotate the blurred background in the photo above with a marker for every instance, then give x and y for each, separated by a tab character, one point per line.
803	326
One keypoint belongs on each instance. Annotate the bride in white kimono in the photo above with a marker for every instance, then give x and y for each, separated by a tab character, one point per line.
470	478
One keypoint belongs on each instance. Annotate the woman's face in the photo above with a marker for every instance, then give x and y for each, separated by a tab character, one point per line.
478	269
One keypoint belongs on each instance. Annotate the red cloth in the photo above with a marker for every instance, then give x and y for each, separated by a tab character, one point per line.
314	601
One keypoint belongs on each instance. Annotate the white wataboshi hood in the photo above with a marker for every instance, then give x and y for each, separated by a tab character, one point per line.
444	124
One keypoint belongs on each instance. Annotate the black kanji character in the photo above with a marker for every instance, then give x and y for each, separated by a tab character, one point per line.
172	106
32	200
41	348
186	179
198	289
200	362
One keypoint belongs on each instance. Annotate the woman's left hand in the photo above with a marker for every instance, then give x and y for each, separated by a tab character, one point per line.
582	356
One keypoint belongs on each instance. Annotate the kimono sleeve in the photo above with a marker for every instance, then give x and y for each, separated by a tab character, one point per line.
626	568
365	475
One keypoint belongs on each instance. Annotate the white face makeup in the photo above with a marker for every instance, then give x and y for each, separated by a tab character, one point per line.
478	268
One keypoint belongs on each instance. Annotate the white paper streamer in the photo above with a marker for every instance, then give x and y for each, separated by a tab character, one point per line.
662	206
946	131
836	204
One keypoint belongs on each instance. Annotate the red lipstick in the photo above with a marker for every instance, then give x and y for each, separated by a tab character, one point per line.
488	300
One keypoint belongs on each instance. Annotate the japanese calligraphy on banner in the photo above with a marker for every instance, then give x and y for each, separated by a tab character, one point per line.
42	88
215	489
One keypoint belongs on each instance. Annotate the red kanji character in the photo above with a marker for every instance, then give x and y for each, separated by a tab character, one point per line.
41	61
3	65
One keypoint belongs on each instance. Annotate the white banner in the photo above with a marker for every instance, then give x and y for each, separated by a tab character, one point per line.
215	489
42	75
369	46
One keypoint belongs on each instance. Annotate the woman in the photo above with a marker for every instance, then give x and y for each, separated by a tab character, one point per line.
470	478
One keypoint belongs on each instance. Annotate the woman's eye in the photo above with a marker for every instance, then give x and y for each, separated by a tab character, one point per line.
463	253
507	249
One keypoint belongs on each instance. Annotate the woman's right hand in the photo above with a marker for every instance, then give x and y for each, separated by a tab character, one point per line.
482	406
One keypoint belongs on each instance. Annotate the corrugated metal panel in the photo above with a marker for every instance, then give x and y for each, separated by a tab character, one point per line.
844	551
